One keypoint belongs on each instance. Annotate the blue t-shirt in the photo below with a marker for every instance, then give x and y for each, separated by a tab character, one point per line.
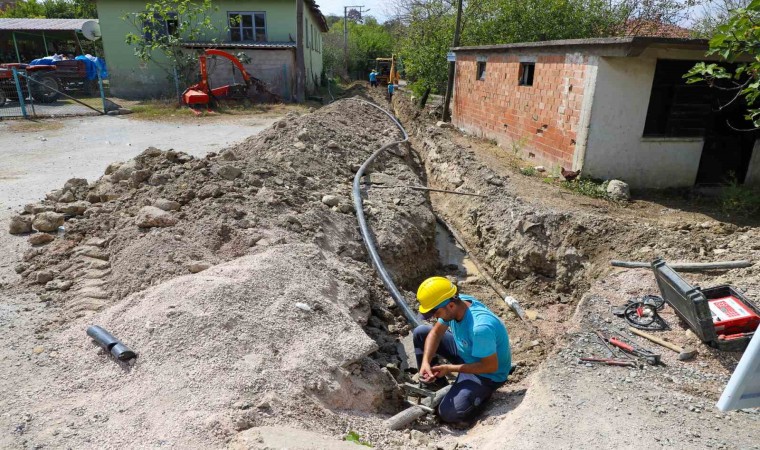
481	334
390	88
372	76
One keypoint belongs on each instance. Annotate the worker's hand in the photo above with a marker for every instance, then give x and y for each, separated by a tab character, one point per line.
442	370
426	373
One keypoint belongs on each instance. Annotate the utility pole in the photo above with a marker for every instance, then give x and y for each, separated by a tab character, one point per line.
452	64
345	31
300	60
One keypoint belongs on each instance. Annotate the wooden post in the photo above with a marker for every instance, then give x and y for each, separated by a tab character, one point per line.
452	64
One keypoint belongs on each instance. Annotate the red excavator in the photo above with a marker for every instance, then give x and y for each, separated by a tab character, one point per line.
201	94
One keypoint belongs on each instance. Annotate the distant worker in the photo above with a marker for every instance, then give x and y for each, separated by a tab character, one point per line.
390	90
471	338
373	78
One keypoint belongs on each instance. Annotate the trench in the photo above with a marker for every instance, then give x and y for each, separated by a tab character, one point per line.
530	344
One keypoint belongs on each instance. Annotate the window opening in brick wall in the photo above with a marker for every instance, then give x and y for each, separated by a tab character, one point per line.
481	75
526	73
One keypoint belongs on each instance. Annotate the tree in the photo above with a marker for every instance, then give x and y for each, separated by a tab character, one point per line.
429	26
163	26
366	41
737	43
51	9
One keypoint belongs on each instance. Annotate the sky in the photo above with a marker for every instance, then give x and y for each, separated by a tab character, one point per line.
335	7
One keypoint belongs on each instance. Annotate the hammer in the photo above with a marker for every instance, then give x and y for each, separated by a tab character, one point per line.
683	355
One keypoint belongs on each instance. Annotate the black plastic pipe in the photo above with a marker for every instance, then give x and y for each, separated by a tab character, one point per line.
369	240
110	343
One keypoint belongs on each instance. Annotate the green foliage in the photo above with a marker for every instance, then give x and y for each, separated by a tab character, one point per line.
160	30
738	36
354	437
587	187
51	9
430	26
529	171
366	41
736	199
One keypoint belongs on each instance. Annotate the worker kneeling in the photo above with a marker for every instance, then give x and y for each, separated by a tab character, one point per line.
477	345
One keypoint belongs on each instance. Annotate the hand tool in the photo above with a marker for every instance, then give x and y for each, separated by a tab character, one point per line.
649	357
683	355
610	362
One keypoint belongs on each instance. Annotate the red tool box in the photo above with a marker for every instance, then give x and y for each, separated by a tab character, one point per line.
721	316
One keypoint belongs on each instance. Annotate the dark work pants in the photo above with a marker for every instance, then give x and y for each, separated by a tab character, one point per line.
469	393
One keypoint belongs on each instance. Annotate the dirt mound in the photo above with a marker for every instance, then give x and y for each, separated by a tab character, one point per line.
240	279
165	213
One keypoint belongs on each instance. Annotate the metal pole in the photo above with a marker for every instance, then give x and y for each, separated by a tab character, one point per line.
345	38
20	92
452	64
15	45
102	94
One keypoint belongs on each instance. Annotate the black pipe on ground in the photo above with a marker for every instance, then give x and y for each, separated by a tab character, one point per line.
369	240
110	343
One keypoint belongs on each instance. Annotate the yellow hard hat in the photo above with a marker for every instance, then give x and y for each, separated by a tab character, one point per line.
434	291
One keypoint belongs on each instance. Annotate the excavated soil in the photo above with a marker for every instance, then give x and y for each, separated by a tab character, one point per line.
241	281
550	248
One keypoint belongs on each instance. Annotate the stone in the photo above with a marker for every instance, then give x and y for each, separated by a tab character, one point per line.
330	200
36	208
333	144
39	349
229	172
54	195
58	285
123	172
299	146
113	167
76	208
20	225
442	124
43	276
166	205
618	191
47	221
96	242
150	217
540	169
67	197
228	155
140	176
496	181
40	238
197	266
151	152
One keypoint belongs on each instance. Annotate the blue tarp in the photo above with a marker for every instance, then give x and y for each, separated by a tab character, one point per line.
93	64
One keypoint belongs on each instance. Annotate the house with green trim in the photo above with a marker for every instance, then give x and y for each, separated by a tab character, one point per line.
282	40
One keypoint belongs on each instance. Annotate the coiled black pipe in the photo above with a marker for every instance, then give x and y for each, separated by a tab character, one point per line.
369	240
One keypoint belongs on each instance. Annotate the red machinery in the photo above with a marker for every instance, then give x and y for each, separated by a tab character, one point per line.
202	93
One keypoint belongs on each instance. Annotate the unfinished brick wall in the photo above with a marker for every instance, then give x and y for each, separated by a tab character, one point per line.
536	122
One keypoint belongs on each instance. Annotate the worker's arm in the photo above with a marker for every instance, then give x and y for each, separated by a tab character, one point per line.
483	347
431	347
489	364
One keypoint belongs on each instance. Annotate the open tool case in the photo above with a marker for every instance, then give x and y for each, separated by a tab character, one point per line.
721	316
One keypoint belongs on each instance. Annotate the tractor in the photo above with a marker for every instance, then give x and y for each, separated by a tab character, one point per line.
386	70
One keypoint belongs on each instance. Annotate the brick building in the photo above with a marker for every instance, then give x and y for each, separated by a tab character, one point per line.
611	107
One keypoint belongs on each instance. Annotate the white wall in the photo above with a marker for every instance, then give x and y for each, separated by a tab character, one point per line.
616	148
753	173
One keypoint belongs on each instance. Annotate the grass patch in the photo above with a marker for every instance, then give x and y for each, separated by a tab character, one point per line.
587	187
169	110
354	437
528	171
736	199
30	126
